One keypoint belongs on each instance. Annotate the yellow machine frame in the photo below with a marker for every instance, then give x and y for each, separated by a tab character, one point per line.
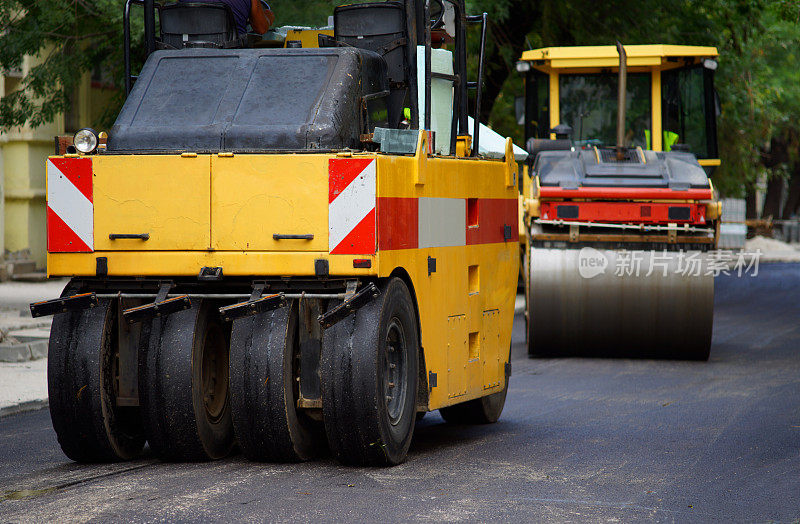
465	305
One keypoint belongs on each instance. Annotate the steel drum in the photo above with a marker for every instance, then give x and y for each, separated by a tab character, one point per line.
619	303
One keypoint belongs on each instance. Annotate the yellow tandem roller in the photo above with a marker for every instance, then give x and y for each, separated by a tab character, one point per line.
617	219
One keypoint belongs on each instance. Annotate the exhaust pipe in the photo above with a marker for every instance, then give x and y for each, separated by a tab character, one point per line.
621	101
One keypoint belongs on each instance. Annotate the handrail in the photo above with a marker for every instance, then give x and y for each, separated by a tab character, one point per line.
126	30
476	127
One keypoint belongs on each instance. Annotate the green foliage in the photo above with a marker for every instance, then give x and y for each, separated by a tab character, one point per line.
758	81
70	38
758	78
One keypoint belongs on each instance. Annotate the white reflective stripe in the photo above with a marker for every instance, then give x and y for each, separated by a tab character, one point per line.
351	206
442	222
71	206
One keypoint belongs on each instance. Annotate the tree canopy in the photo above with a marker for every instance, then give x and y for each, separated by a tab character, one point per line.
758	77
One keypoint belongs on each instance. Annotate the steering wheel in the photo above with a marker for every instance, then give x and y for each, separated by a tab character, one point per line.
436	13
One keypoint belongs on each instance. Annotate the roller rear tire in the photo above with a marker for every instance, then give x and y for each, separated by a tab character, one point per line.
183	385
369	380
81	388
264	389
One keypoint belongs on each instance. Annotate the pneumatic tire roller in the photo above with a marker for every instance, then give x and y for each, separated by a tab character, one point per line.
263	253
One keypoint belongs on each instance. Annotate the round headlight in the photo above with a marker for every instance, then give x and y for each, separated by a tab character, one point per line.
85	140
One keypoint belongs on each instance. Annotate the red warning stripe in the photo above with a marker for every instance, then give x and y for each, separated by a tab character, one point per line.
398	219
623	212
361	240
399	222
78	171
625	193
342	171
61	238
494	214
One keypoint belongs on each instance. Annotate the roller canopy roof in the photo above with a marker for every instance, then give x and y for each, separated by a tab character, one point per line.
606	56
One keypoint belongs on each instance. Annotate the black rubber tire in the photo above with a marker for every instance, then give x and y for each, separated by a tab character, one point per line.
355	380
178	425
80	382
484	410
264	389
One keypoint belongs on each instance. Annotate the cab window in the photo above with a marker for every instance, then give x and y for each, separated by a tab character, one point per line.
688	108
588	104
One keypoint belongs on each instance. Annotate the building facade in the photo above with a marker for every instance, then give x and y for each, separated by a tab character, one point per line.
23	153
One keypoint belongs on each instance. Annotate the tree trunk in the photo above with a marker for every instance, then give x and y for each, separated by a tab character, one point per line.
772	202
793	200
750	210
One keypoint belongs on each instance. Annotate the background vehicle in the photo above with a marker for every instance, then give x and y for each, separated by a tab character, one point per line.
271	248
617	204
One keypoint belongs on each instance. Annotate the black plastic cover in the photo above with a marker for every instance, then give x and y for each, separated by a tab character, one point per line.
575	169
208	24
248	100
379	27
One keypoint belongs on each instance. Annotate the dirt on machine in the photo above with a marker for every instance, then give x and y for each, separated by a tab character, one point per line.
619	213
290	246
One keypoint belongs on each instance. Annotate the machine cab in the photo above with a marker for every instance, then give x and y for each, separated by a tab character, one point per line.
671	101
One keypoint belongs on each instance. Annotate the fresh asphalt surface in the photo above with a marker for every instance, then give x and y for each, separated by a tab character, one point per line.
580	439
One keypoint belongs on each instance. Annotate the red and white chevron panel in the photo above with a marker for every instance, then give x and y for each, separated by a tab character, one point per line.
351	206
70	208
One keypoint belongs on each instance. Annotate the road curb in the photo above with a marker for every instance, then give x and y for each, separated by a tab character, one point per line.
23	351
22	407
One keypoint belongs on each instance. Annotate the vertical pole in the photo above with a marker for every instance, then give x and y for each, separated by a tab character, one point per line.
476	139
427	18
555	103
656	128
711	113
411	60
150	25
126	51
621	100
461	50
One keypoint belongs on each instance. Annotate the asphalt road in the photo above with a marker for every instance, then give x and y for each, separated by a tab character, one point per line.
580	439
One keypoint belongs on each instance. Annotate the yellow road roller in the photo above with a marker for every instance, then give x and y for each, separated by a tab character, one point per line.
618	211
296	249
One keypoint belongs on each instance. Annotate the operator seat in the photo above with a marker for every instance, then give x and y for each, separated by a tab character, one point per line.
206	24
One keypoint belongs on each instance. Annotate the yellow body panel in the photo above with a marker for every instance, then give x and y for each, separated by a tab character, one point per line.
307	37
236	202
188	263
256	196
166	197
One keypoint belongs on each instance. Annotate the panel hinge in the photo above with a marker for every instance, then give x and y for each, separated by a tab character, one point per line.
432	381
431	265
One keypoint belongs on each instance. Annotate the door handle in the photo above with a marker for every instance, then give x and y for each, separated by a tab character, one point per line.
129	236
278	236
